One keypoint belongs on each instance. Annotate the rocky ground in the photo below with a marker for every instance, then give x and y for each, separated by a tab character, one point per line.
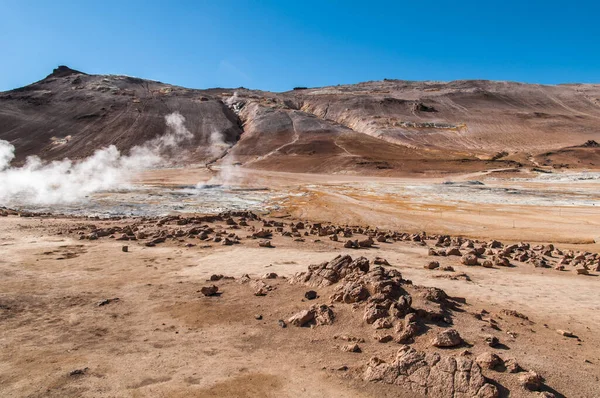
240	304
479	278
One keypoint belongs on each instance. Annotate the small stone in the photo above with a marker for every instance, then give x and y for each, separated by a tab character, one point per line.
432	265
375	361
352	348
565	333
281	323
104	302
386	338
310	295
381	261
125	249
492	341
78	372
258	317
209	290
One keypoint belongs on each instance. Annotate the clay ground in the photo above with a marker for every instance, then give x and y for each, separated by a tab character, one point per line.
163	338
536	209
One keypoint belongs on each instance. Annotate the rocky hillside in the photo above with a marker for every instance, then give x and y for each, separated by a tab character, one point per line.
384	127
71	114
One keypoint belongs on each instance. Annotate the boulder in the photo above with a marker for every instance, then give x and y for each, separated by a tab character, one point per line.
323	315
469	259
531	381
408	333
488	360
454	251
385	338
351	244
315	315
582	271
447	338
512	366
328	273
382	323
502	261
263	233
431	374
302	318
366	242
373	313
380	261
351	292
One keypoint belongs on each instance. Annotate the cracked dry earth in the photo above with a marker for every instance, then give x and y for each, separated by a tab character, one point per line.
304	315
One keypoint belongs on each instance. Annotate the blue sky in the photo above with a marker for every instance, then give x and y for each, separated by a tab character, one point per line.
277	45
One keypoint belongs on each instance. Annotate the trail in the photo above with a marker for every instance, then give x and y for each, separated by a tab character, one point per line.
274	151
343	149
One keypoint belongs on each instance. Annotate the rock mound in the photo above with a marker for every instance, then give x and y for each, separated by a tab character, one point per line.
432	375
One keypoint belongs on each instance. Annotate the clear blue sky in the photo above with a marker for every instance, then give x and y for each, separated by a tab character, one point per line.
276	45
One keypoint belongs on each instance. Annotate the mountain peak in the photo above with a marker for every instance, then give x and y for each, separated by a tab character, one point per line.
62	71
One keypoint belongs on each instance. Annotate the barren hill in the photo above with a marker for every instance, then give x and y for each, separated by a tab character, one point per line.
383	127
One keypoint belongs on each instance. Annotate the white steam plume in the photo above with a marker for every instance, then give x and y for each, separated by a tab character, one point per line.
219	150
66	181
7	153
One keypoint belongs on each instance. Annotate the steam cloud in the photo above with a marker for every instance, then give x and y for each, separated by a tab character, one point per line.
219	150
7	153
66	181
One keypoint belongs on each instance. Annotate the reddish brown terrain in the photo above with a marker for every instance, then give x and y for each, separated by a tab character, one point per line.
390	127
382	239
221	306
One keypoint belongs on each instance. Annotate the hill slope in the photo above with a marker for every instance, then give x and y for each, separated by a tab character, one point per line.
385	127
